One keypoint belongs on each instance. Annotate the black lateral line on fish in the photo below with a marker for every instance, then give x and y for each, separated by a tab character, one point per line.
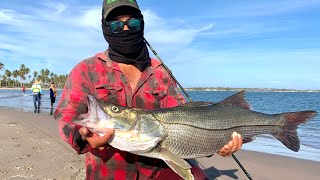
235	127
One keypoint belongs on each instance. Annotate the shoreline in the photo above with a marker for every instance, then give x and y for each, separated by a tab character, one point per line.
210	89
27	89
30	147
250	89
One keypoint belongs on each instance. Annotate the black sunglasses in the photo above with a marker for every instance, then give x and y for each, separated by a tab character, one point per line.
117	26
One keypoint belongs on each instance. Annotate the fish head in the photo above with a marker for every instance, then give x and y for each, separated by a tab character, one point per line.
121	118
102	116
136	130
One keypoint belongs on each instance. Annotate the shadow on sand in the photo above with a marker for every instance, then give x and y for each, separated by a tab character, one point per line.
214	173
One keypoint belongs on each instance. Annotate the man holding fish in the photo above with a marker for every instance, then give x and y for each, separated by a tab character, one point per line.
124	75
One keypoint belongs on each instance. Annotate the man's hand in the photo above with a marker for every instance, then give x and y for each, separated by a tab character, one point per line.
94	139
233	146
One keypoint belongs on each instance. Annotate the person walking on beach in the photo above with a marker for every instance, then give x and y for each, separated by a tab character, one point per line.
124	75
53	94
36	91
23	89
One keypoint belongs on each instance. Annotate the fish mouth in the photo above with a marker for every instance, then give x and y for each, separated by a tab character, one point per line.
95	110
96	118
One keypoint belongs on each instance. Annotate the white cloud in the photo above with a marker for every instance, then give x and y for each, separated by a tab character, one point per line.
91	18
60	7
7	16
56	38
162	31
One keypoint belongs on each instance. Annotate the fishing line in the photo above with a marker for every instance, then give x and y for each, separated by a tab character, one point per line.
187	95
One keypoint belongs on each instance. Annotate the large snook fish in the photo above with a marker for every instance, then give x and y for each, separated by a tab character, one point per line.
192	130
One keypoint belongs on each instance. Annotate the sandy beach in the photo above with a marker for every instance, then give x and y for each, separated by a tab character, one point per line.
30	148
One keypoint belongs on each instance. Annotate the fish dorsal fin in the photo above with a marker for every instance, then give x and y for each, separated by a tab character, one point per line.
237	100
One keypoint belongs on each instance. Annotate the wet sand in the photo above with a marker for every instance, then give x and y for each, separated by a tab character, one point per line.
30	148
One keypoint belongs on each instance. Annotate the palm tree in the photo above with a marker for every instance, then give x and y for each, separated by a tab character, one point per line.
35	74
29	77
46	74
8	74
1	67
27	72
15	74
22	72
62	80
5	78
51	76
42	75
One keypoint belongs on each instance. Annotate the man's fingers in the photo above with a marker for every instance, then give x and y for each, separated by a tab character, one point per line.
99	142
233	145
109	134
105	138
84	132
230	145
101	148
94	139
240	141
224	150
235	141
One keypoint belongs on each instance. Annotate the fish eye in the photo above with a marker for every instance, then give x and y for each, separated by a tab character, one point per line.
114	108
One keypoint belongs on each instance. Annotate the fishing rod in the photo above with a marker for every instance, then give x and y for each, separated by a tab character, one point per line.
187	95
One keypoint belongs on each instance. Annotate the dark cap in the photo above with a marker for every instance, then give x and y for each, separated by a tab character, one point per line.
109	5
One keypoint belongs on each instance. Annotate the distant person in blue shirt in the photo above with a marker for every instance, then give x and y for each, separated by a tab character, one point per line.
36	91
53	94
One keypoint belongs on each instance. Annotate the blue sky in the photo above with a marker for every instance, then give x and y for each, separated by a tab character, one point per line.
207	43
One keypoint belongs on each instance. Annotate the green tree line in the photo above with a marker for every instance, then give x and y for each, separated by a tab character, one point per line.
23	75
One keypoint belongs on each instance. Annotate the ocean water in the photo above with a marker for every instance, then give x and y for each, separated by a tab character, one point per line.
16	100
273	103
266	102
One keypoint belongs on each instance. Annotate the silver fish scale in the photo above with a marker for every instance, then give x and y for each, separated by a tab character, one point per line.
189	142
215	117
202	131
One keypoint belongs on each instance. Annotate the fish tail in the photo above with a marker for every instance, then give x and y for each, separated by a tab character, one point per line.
289	136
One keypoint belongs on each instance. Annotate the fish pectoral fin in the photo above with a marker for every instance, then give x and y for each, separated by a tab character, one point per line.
184	173
177	164
167	155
